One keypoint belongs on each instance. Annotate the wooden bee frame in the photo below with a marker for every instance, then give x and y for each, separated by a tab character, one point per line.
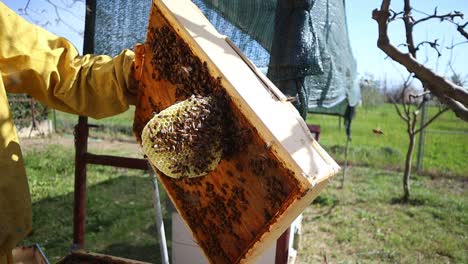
274	169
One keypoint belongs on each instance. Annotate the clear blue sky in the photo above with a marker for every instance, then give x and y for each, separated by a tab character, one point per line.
43	13
362	30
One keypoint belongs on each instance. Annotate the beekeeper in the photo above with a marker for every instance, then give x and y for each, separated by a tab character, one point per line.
48	68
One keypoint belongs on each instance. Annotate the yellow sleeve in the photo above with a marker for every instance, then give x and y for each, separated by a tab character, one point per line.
47	67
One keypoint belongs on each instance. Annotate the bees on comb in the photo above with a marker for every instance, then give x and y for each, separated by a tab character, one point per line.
185	139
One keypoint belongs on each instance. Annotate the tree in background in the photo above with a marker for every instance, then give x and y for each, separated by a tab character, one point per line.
452	94
371	96
408	105
52	12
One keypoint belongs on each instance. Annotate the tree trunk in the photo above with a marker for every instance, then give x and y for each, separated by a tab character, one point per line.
407	173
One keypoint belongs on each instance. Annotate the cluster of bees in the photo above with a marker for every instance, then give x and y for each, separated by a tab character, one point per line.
190	133
175	62
201	216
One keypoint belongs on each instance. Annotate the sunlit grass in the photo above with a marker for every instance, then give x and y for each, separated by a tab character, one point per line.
445	146
365	223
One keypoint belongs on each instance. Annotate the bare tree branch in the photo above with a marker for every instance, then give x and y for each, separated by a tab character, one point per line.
411	123
57	10
423	100
26	6
437	84
462	31
406	107
428	122
406	86
460	110
408	21
449	16
432	44
454	45
395	15
419	95
399	111
61	8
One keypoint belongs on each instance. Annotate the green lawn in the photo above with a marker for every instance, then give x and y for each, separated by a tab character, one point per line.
115	127
446	139
123	119
444	153
120	217
365	223
362	223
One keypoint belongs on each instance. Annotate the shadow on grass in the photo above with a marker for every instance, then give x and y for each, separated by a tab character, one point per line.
325	201
120	220
411	201
148	253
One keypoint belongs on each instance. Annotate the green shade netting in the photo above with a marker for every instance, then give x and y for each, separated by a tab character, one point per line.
309	40
120	24
301	40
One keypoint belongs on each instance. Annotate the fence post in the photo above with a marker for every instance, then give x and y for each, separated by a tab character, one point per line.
55	120
79	211
420	157
33	117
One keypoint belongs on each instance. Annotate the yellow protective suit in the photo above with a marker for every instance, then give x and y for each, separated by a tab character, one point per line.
47	67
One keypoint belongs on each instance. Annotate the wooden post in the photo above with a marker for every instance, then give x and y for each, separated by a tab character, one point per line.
282	248
79	210
81	142
55	120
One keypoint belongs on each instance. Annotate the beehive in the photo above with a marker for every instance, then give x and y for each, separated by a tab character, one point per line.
271	167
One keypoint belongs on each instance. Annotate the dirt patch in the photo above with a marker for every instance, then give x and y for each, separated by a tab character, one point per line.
42	142
40	129
98	146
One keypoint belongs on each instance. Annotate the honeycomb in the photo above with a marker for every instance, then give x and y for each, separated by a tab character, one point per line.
184	140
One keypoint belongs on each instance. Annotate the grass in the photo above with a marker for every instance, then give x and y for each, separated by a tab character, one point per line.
365	223
446	139
120	217
122	119
116	127
362	223
443	152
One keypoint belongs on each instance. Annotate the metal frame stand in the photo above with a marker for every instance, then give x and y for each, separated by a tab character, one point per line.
82	156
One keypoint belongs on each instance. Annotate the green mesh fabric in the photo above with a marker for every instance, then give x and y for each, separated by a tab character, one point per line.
120	24
254	17
338	82
304	44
